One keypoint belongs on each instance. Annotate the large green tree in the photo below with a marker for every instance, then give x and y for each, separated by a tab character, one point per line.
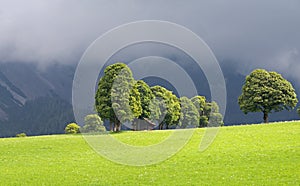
170	104
117	99
266	92
189	115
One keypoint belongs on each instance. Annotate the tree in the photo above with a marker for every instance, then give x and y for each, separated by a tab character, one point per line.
200	104
146	97
214	117
208	112
266	92
298	111
72	128
215	120
135	101
169	105
189	115
93	124
115	100
149	105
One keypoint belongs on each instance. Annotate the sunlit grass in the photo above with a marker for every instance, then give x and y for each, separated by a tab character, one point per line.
241	155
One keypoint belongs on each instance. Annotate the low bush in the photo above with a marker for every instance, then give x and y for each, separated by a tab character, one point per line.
20	135
72	128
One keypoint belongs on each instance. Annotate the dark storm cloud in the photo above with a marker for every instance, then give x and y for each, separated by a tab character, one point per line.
254	34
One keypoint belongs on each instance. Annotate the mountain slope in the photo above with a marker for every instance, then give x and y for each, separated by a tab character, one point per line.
34	101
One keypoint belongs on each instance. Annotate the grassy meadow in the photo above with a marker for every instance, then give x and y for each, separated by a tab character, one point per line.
262	154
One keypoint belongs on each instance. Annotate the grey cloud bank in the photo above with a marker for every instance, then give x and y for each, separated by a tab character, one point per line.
254	34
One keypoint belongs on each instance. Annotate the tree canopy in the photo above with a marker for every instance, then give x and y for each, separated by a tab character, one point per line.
117	100
171	105
200	104
120	98
266	92
146	96
189	115
93	124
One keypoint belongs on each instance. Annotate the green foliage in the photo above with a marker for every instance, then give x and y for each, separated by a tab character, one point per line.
211	111
72	128
208	111
120	99
202	108
117	99
146	96
266	92
298	111
93	124
189	115
203	121
157	109
239	155
200	103
21	135
215	120
171	104
135	102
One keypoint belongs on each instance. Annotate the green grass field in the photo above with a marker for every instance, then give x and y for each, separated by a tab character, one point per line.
240	155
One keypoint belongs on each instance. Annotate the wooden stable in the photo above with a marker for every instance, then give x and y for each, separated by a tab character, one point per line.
143	124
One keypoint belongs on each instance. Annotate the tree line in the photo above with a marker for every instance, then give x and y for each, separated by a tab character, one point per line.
120	99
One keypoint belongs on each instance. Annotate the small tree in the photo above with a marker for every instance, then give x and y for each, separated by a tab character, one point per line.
215	118
171	104
72	128
200	104
93	124
266	92
146	96
189	115
298	111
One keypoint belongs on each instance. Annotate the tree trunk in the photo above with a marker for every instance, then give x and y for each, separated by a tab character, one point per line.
115	124
111	126
266	117
119	126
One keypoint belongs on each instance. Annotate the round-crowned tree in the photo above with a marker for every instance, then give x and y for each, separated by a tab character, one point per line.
266	92
117	99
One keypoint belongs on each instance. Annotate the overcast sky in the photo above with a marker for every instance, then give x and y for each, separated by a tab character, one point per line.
253	33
